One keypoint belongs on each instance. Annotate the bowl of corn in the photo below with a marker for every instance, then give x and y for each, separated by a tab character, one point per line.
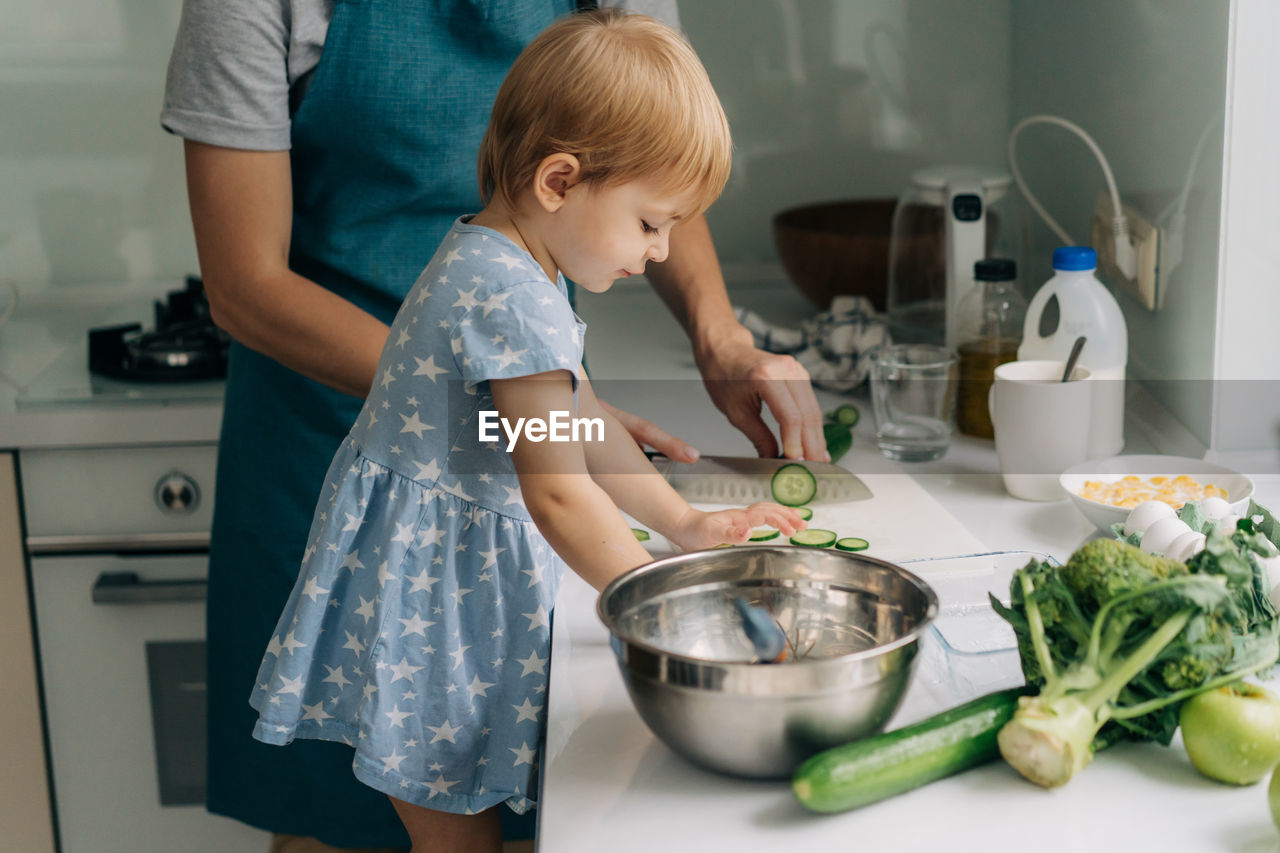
1105	490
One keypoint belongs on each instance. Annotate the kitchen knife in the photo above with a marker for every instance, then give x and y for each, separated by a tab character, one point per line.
744	479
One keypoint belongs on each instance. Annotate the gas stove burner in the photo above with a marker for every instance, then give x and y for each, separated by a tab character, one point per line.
184	346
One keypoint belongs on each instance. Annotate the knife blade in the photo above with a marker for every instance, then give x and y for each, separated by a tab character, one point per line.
743	479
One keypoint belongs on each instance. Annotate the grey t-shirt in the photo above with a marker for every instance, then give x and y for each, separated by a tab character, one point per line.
239	68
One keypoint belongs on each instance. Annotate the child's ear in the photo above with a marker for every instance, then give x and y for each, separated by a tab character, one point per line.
553	177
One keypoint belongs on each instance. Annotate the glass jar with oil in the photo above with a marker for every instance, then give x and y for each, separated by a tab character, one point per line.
989	329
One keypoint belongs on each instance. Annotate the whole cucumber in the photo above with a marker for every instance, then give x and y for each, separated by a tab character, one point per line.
875	768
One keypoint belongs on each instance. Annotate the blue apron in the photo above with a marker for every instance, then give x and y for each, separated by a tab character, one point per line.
383	161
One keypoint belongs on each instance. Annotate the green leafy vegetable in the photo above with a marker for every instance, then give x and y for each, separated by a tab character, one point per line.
1116	638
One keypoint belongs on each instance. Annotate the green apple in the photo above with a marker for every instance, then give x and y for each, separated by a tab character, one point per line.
1232	733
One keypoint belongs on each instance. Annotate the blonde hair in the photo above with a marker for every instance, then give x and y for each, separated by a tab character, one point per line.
624	94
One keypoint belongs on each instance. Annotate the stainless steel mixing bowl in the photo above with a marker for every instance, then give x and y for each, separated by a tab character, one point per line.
852	623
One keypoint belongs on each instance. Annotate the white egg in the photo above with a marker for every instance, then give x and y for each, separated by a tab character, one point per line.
1184	546
1215	508
1160	534
1146	514
1227	524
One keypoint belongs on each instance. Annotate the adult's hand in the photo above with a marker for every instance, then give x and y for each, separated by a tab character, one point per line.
741	379
647	433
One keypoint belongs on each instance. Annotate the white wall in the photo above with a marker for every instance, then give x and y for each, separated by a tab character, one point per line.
90	188
1247	414
837	99
93	190
1144	78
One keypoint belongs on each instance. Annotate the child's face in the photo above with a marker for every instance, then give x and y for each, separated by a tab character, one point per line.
609	232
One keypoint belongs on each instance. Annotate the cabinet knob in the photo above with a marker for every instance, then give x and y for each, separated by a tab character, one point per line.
178	493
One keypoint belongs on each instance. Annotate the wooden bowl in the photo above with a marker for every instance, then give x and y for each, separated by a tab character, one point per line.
837	247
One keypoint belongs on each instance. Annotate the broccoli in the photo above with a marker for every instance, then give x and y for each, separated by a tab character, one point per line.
1117	638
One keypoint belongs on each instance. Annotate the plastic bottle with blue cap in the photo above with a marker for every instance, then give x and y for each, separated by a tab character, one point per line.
1084	307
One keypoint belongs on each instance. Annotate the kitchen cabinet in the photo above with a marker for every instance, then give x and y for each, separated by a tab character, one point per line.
25	813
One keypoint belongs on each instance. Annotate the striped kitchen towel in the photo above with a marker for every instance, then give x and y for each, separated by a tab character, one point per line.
834	346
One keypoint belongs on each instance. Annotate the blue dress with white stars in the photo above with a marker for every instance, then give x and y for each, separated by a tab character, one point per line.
418	630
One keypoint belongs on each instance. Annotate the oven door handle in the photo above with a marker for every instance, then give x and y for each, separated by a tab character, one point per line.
130	543
129	588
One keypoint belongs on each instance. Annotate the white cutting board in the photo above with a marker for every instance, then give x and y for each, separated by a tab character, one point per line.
901	521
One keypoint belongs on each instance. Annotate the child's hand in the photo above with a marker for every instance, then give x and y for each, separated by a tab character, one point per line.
700	529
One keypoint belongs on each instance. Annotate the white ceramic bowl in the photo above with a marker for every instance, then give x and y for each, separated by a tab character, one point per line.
1239	488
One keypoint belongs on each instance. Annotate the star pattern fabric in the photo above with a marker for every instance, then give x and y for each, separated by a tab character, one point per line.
418	631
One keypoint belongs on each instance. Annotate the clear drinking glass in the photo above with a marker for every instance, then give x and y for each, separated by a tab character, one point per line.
913	395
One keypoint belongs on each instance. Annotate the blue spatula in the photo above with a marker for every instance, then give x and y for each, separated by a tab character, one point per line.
761	629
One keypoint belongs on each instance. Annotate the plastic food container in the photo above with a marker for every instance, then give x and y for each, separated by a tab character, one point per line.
969	650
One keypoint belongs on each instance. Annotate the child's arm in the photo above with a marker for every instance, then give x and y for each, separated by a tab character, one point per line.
578	516
620	468
572	512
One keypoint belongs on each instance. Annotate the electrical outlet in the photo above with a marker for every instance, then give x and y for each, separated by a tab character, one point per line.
1144	286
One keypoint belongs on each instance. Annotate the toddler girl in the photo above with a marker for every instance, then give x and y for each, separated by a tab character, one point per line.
419	628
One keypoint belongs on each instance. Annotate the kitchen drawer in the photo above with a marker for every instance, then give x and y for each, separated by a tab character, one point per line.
118	498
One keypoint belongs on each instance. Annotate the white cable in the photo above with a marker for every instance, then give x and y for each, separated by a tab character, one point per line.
1125	255
1180	202
894	93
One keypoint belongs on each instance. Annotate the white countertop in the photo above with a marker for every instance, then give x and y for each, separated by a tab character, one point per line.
48	331
608	784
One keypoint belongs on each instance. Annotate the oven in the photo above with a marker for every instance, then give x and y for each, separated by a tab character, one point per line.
117	543
117	502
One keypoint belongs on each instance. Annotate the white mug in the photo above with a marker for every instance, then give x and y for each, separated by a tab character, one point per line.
1041	425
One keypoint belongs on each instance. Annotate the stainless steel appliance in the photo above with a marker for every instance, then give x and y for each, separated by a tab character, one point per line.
949	218
117	539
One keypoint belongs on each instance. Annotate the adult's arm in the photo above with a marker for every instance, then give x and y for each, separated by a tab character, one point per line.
242	210
739	377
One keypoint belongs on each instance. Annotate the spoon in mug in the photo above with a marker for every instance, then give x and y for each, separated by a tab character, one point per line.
1071	359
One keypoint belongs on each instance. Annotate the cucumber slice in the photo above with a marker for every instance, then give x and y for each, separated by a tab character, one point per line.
804	512
793	485
852	543
846	415
641	535
723	545
814	537
763	534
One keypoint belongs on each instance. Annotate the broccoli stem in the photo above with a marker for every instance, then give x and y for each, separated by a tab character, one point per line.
1050	737
1132	711
1035	622
1115	680
1049	740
